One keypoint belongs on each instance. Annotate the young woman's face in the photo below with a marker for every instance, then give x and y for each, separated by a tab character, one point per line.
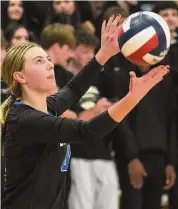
38	71
20	36
15	10
67	7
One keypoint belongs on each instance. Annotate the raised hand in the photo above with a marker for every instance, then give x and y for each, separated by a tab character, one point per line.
109	36
109	39
139	87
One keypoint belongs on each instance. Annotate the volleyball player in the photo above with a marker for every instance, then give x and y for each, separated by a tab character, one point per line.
36	141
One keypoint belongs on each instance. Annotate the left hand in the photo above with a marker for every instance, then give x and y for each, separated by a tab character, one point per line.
170	177
109	39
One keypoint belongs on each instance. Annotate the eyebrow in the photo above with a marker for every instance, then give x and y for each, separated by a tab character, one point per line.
40	57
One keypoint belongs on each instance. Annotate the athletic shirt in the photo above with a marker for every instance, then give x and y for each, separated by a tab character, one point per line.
36	146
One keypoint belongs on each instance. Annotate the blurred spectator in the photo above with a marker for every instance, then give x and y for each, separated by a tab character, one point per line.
4	90
59	42
113	10
4	45
90	10
116	10
16	34
169	11
36	13
88	26
12	11
65	12
86	43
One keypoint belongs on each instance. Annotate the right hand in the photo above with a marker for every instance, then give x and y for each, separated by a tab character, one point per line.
139	87
136	172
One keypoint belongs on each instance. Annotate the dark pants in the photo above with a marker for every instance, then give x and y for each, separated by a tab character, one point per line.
149	196
173	195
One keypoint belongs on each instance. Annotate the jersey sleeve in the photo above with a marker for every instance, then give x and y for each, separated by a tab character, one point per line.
75	88
33	126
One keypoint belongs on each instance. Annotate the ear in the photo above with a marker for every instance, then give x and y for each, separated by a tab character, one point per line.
56	48
19	77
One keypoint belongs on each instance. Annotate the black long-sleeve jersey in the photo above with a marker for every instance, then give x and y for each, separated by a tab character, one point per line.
37	149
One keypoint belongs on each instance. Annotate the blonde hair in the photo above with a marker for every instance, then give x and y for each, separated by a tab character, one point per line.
57	33
13	62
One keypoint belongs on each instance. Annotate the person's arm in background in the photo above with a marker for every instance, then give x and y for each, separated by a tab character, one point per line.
101	105
69	114
171	137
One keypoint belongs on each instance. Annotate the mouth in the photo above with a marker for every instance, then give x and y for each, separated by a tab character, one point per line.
51	77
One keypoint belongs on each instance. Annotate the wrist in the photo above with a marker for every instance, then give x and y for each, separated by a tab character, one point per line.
102	57
132	99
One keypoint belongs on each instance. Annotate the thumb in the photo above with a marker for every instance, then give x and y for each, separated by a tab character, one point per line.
144	172
132	79
132	75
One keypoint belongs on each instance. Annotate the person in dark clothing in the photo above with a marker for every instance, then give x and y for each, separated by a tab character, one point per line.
64	12
18	34
35	139
147	136
169	12
12	11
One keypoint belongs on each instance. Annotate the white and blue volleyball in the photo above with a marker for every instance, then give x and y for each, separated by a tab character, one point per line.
144	38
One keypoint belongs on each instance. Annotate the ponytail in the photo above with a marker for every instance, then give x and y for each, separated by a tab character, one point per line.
5	107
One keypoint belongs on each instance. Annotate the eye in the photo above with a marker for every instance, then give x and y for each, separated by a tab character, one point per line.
39	61
49	59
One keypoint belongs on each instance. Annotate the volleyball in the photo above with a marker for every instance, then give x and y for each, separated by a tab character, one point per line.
144	38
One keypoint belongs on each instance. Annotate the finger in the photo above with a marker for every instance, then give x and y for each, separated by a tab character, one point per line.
132	74
152	72
108	25
144	172
137	183
103	29
137	180
114	28
116	20
132	79
163	70
157	76
170	182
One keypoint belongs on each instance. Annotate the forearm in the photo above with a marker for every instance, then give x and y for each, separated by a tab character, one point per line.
82	81
119	110
104	123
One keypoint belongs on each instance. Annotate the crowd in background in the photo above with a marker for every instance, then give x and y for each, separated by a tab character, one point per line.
138	158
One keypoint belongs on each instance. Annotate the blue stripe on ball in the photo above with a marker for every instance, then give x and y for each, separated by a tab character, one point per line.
135	20
159	31
132	32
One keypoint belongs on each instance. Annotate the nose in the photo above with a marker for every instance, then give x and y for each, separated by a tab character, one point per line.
62	5
50	65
